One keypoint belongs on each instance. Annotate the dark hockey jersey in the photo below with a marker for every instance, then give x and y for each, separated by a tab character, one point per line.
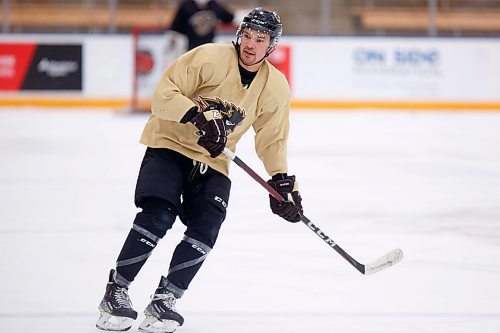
198	22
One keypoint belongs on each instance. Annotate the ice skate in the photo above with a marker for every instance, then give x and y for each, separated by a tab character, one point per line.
160	314
115	310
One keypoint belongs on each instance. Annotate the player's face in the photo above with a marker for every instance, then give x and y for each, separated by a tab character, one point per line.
253	48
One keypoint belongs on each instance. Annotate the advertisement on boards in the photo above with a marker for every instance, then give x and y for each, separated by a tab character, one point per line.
281	59
32	67
153	54
397	69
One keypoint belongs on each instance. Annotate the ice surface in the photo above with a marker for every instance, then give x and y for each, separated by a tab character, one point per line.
426	182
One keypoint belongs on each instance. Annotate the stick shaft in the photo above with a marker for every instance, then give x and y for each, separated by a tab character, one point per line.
360	267
253	174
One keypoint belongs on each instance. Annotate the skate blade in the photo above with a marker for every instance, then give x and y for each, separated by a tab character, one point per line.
107	322
154	325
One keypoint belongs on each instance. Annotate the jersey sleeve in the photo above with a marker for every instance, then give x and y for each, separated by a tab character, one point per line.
169	101
271	132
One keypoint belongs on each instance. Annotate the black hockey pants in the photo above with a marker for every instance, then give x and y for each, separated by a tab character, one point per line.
171	185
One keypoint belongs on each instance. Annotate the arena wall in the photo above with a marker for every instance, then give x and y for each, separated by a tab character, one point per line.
324	72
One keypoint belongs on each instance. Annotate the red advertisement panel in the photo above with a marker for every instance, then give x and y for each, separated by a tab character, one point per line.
280	59
15	59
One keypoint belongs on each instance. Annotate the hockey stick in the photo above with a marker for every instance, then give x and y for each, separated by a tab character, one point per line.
383	262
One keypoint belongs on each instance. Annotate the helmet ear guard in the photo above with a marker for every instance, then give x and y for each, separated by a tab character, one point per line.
262	21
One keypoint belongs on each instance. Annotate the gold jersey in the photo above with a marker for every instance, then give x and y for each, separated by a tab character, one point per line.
210	73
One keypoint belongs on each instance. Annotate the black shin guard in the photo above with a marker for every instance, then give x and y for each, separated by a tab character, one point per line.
149	227
135	251
186	261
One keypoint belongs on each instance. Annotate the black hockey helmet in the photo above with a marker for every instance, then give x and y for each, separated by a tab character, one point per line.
263	21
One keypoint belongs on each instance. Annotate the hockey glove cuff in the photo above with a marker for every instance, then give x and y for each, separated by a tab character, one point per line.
290	209
211	130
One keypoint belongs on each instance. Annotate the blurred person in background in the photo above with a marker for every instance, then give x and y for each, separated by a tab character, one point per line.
207	99
198	19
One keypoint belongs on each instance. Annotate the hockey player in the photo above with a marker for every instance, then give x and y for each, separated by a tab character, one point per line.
204	102
197	20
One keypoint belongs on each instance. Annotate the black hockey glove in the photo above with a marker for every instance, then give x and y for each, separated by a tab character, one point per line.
291	209
211	129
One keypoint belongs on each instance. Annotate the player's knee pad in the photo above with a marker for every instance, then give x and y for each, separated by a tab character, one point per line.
205	208
157	216
205	227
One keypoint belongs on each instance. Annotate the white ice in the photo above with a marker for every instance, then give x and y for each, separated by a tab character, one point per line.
425	182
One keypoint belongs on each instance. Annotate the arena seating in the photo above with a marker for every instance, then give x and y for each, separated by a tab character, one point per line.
464	17
368	17
33	17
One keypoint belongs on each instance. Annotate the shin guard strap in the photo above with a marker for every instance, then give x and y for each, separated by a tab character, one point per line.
120	280
146	233
197	245
133	260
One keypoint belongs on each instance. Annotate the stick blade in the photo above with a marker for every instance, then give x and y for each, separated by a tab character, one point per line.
387	260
